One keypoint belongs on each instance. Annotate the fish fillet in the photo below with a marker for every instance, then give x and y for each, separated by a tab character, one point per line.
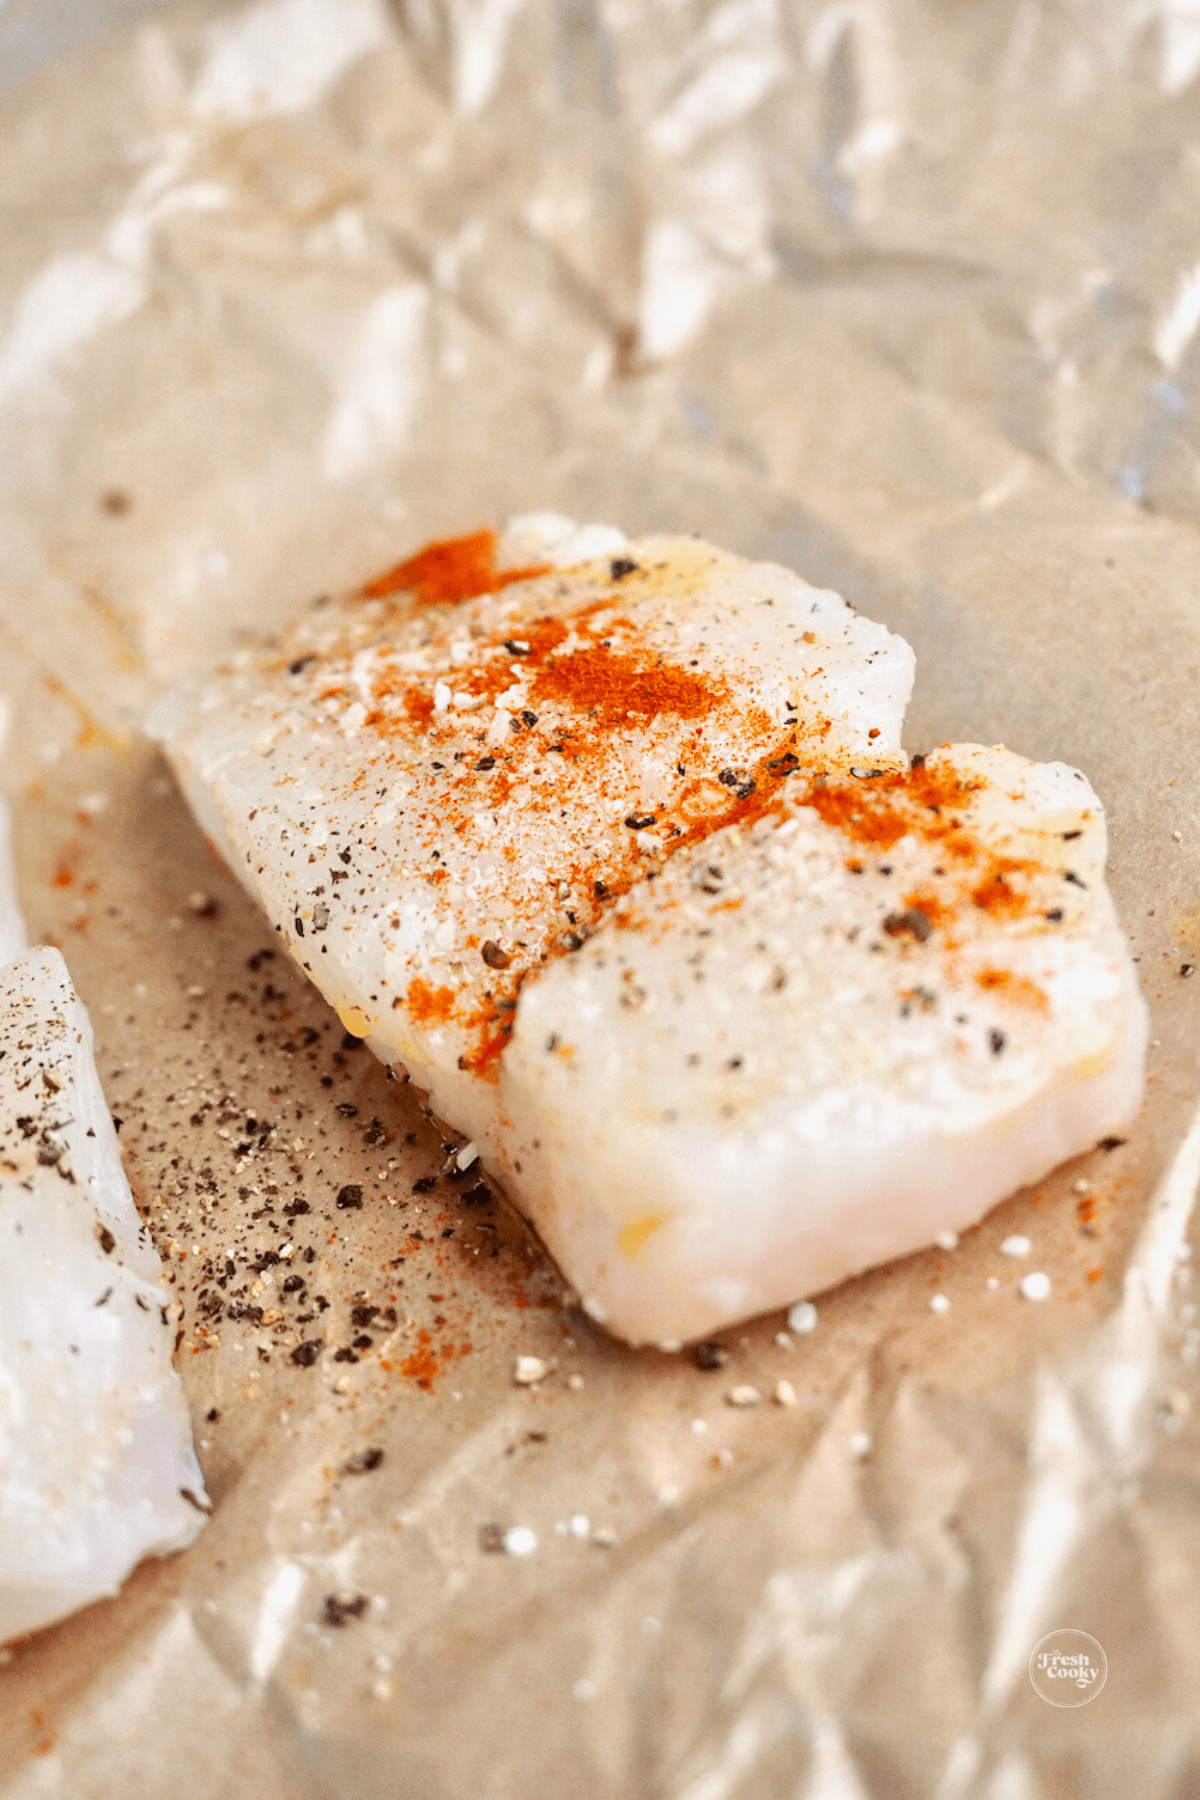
614	846
97	1468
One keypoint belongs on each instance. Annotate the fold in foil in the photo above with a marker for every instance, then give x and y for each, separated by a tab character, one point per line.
903	297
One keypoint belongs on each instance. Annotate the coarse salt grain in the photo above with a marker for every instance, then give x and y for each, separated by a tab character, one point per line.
860	1444
529	1369
802	1316
785	1394
745	1395
579	1525
1035	1286
520	1540
466	1156
946	1240
939	1303
1016	1246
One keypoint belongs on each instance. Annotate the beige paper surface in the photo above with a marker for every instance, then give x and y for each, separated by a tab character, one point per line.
900	295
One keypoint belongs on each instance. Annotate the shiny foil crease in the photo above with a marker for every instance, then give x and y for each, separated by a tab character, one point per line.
904	294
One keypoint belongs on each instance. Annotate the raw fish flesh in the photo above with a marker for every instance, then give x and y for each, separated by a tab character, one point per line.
824	1040
97	1468
614	846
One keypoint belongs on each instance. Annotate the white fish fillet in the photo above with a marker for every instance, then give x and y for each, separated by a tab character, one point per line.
773	1070
97	1468
488	831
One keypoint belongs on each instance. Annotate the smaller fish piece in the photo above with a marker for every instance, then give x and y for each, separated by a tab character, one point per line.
97	1468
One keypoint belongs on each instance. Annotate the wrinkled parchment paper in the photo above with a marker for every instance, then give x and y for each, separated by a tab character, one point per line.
900	293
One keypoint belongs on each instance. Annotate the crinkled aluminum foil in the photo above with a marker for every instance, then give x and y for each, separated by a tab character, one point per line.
903	295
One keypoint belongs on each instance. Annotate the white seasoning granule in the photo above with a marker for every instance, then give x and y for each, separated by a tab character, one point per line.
519	1540
785	1394
1035	1286
802	1316
939	1303
745	1395
860	1444
1016	1246
1082	1186
529	1369
579	1525
699	1427
992	1283
946	1240
574	1382
466	1156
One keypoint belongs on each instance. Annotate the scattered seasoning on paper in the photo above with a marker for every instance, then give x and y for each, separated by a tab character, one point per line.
1035	1286
802	1317
363	1461
338	1611
1016	1246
